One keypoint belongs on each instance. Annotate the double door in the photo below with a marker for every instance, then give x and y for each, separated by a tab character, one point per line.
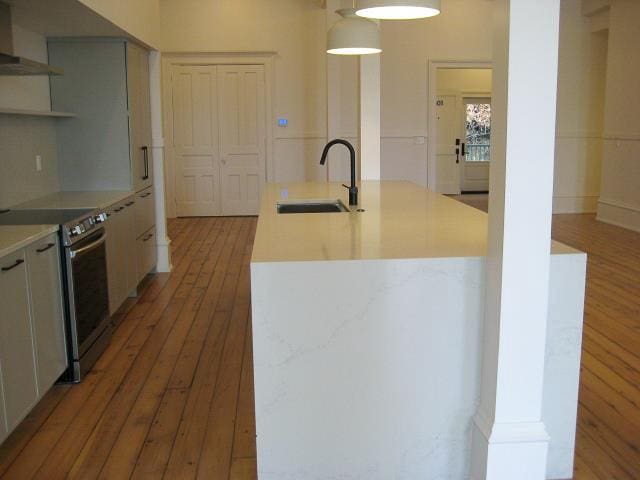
219	138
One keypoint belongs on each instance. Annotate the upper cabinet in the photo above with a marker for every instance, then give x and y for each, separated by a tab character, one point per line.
107	146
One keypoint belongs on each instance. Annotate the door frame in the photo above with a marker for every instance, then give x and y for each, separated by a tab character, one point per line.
434	65
170	59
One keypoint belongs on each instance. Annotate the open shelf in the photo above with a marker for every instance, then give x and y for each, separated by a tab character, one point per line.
36	113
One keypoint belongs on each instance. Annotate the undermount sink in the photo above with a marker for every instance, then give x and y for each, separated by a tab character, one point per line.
312	206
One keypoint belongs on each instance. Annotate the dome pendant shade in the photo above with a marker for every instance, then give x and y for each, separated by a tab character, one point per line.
398	9
353	35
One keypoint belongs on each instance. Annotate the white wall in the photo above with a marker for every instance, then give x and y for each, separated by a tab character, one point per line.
140	18
620	198
580	115
463	80
295	30
24	137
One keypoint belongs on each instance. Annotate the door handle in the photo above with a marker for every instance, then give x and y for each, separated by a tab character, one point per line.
11	267
44	249
458	150
145	153
464	153
91	246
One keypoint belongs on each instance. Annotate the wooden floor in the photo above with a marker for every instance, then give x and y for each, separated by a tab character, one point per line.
173	395
608	437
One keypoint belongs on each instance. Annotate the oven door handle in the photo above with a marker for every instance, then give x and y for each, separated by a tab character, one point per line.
91	246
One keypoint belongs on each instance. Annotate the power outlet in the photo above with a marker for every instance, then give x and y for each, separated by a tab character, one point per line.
38	163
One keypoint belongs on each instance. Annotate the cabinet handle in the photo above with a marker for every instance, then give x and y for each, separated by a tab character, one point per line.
11	267
145	152
44	249
145	195
148	237
128	204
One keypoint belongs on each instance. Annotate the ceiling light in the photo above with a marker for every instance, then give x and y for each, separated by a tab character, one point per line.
353	35
398	9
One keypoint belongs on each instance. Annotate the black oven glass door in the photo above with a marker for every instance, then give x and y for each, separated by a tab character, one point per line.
89	296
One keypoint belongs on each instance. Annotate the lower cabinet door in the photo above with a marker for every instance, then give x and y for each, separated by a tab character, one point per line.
43	264
17	355
146	253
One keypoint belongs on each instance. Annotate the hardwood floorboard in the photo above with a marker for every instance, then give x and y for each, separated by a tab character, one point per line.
608	439
173	394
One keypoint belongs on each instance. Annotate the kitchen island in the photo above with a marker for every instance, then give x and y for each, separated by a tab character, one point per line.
367	336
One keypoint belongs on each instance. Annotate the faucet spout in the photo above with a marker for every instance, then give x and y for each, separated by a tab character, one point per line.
353	189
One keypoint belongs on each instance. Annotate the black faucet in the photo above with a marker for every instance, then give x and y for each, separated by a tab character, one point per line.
353	190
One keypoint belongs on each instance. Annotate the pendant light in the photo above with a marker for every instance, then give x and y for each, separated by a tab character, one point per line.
398	9
353	35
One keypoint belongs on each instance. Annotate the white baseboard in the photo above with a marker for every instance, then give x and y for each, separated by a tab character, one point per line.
619	214
577	204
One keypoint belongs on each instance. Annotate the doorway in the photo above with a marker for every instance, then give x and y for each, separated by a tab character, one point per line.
460	125
217	136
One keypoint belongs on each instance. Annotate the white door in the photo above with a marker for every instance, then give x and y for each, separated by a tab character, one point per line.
195	140
241	94
447	152
476	122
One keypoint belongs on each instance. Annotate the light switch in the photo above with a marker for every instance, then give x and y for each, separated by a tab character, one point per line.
38	163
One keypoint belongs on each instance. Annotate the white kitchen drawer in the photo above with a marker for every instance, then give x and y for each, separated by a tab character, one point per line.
146	253
145	211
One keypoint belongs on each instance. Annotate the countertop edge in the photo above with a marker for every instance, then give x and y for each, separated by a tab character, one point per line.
54	200
29	238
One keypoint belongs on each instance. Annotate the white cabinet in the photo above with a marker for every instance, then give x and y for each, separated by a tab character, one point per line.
122	252
43	265
107	146
33	351
17	349
139	116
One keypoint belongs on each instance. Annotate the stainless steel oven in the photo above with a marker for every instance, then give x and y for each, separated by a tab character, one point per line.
88	299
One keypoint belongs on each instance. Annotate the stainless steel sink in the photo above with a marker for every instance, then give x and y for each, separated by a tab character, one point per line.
312	206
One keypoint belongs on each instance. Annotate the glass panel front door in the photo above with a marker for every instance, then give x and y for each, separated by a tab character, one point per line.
478	132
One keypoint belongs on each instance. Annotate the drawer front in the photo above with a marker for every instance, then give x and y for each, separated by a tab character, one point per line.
145	211
146	253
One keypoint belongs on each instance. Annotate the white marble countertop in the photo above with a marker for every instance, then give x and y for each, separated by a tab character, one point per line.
401	220
72	200
15	237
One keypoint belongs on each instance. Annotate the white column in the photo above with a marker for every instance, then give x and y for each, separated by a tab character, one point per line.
509	438
370	117
163	242
334	113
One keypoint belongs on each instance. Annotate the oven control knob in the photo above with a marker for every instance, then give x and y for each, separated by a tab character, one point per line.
77	230
101	217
